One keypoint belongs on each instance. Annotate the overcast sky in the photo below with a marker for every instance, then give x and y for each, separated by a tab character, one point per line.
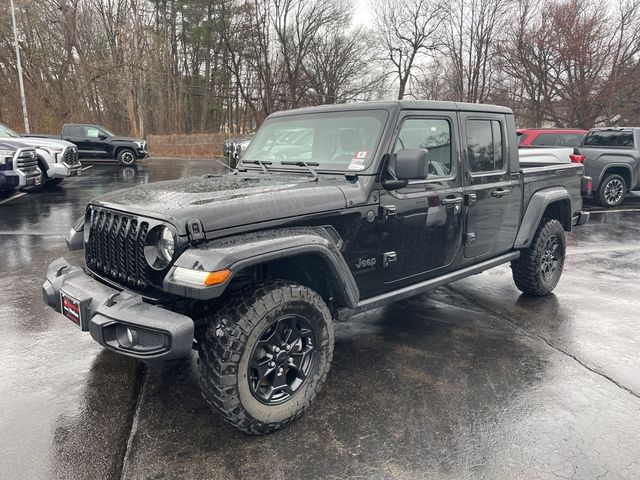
361	13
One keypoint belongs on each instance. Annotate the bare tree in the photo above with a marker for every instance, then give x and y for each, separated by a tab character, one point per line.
529	54
472	32
406	30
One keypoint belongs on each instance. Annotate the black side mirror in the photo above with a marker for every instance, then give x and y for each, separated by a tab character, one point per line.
102	136
412	164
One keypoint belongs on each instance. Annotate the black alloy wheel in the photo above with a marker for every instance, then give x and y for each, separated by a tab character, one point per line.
550	258
282	359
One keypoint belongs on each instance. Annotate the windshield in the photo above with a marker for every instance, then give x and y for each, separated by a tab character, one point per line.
343	140
7	132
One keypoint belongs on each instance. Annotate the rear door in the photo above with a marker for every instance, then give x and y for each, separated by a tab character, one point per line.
77	134
492	191
423	221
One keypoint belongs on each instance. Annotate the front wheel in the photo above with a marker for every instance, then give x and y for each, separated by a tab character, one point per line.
126	157
612	191
539	267
265	355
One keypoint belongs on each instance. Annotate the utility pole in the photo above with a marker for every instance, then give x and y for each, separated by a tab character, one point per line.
25	115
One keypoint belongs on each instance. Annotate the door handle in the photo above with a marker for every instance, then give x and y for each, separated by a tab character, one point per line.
450	201
500	192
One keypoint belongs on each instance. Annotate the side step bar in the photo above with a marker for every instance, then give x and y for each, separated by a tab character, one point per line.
425	286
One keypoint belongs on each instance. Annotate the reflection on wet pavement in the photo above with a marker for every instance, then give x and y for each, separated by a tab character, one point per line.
472	381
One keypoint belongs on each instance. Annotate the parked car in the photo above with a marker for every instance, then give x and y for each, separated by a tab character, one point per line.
233	148
94	141
57	159
18	166
613	161
252	267
532	156
551	137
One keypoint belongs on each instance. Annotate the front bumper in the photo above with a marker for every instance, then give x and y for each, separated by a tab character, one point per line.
141	153
64	170
580	218
119	320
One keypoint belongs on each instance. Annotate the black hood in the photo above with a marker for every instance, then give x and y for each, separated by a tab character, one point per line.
230	200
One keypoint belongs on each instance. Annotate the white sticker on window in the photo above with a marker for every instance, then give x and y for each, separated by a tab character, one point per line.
362	154
356	164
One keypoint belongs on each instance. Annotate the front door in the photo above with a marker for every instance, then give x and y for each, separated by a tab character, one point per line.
492	191
96	145
423	221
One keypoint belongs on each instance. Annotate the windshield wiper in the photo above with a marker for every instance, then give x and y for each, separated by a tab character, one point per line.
302	163
262	164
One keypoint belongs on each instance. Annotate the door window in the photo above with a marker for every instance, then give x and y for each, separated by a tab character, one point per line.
485	152
93	132
433	134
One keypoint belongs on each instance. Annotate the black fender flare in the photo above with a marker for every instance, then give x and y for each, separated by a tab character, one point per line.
539	202
239	252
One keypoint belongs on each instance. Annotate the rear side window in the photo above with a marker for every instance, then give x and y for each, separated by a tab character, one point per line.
570	139
546	139
75	131
484	146
607	138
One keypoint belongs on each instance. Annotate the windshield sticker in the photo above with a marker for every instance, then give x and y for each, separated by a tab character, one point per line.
362	154
356	164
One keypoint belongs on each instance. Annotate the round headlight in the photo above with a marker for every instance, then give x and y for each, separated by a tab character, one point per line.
166	244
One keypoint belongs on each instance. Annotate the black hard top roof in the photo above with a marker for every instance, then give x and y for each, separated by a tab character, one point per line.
399	105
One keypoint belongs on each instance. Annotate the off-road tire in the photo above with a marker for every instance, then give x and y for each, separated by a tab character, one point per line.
126	157
228	342
527	270
606	197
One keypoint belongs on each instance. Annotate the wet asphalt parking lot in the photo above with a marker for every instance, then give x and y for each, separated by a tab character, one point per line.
471	381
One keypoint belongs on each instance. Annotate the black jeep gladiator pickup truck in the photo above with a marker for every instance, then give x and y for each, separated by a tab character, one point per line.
94	141
385	201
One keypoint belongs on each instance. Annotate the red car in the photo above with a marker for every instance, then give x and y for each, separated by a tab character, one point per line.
554	137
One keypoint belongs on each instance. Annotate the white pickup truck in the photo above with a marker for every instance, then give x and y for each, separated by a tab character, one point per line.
57	159
538	156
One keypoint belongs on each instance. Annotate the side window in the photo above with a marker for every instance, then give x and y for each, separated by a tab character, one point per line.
570	140
75	131
546	139
434	134
92	132
484	146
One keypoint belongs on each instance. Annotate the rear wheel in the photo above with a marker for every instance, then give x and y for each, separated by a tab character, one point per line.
126	157
265	355
539	267
612	190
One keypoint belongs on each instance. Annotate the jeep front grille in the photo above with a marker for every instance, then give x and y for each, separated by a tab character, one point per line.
27	162
116	247
71	156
